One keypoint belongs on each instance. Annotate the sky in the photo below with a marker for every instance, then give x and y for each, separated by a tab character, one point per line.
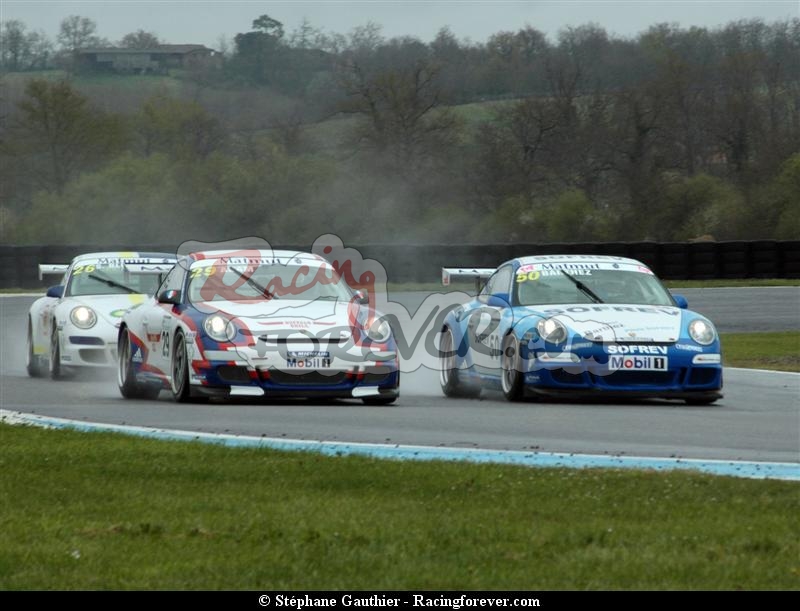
205	22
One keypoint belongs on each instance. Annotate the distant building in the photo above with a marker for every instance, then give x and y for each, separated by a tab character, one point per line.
157	60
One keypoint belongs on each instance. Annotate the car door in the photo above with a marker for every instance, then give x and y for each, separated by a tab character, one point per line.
487	321
160	320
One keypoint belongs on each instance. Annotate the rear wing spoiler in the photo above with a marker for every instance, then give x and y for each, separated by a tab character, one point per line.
478	273
51	269
149	268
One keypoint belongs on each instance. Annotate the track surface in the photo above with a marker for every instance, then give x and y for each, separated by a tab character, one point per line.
759	418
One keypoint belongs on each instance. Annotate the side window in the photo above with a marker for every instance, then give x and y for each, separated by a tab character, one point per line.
489	286
173	280
500	282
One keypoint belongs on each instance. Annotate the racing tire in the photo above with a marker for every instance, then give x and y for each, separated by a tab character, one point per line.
54	366
510	376
129	386
179	370
32	362
449	380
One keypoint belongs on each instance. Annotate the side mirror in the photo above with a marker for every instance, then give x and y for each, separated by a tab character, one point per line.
361	297
681	302
56	291
172	296
498	300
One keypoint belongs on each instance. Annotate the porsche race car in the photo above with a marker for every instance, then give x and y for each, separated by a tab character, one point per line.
577	326
257	323
75	324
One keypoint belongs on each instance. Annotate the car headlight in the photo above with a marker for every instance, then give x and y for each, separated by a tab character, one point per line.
219	328
552	330
83	317
379	330
702	331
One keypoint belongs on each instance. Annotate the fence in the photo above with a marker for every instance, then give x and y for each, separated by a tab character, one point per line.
423	262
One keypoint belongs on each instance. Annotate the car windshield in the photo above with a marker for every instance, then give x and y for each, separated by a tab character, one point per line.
111	277
543	285
219	281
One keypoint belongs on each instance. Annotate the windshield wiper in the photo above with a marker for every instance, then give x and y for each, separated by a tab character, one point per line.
113	283
261	289
583	288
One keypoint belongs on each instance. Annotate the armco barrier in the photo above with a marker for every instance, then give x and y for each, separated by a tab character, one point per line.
423	262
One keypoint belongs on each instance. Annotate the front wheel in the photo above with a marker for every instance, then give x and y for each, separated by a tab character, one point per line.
129	386
33	363
449	380
54	367
180	370
511	380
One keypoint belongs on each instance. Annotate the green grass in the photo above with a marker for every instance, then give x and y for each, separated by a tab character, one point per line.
780	351
105	511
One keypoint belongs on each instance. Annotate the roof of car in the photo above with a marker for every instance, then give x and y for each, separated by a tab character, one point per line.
575	259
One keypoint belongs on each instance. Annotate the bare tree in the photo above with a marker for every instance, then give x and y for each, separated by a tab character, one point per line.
62	135
140	39
15	45
397	91
76	32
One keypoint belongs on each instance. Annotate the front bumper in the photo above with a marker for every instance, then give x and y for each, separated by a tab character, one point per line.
247	372
86	349
674	374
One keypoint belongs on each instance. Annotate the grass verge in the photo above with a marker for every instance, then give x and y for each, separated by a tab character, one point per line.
779	351
105	511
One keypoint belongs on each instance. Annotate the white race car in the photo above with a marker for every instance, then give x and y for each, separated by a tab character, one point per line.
257	323
76	323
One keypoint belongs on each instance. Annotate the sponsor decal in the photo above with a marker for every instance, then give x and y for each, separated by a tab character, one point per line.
568	266
689	347
609	308
617	349
313	363
118	313
303	354
637	363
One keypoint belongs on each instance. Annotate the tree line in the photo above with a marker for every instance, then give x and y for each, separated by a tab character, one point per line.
675	134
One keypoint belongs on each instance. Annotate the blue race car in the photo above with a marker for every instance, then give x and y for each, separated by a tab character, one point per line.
578	326
257	323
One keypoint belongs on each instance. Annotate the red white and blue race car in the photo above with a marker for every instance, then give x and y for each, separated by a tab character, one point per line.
578	325
76	323
257	323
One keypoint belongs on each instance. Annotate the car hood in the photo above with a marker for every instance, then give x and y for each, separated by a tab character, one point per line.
317	316
616	322
109	308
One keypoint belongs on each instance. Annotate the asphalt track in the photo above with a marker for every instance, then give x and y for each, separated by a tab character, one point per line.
758	420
